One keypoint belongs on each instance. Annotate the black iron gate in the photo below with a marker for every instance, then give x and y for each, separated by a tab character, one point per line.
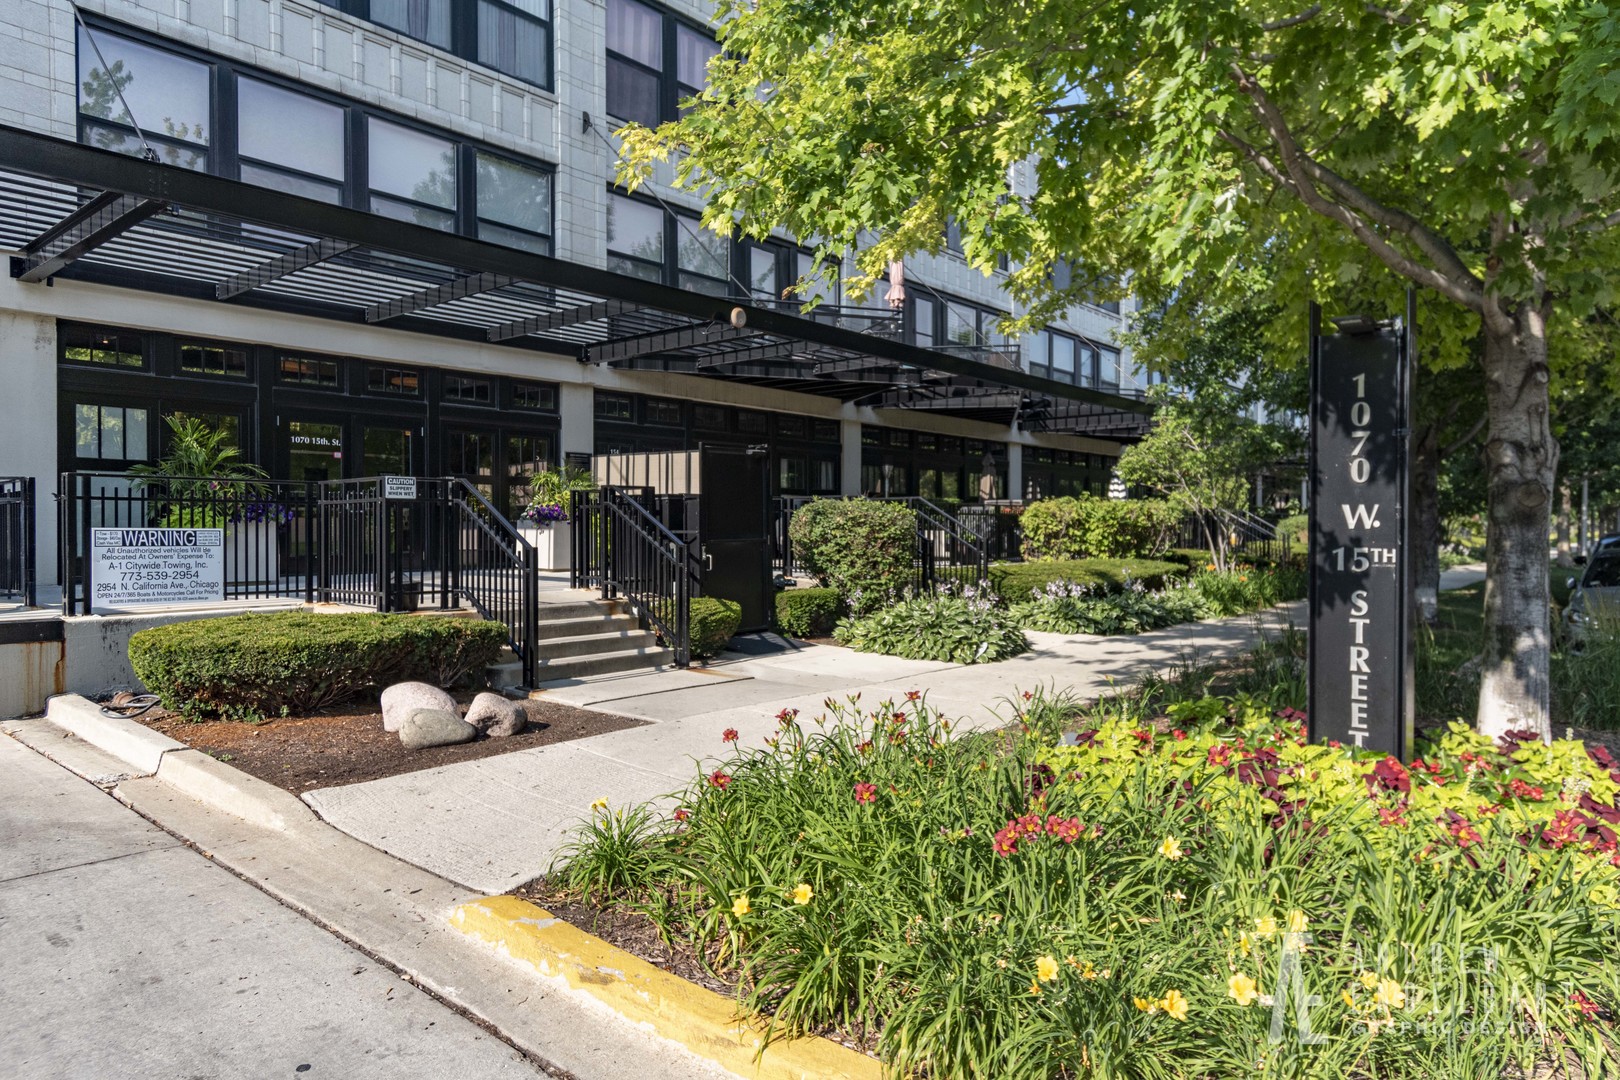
17	551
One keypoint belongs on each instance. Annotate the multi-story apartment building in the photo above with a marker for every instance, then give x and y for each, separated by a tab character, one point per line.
382	236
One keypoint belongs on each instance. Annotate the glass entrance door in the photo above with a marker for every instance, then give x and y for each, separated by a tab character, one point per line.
312	449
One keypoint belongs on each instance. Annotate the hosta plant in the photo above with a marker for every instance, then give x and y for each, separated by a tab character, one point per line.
961	626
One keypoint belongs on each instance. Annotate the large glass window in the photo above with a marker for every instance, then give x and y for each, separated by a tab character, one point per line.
514	204
413	174
922	322
85	345
109	432
124	85
635	238
289	141
515	37
650	72
198	359
701	256
1063	358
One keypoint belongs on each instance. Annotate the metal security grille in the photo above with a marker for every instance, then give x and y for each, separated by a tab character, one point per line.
17	551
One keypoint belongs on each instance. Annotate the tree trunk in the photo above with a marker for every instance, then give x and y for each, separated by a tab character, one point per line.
1426	522
1566	559
1521	459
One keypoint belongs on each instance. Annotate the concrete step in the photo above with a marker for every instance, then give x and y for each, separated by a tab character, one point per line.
580	667
580	609
579	627
591	644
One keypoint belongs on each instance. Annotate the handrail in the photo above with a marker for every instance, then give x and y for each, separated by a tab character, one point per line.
622	548
956	533
18	554
490	594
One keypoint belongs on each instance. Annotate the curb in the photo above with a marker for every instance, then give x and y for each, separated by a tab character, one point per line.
701	1020
191	772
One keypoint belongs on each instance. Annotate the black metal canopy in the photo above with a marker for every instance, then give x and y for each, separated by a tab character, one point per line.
80	212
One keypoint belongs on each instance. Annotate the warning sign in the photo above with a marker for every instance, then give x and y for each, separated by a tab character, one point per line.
156	566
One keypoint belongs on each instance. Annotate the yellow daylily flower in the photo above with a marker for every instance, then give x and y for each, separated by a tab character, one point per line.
1174	1005
1390	994
1171	848
802	893
1244	943
1369	980
1046	968
1297	922
599	804
1242	989
1147	1005
740	907
1265	927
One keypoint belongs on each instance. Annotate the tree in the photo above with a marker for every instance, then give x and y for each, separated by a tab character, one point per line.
1468	146
1201	455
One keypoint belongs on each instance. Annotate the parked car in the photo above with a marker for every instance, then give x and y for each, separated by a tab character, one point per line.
1595	598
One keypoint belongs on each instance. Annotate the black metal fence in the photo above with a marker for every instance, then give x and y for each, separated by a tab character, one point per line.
1248	536
18	561
949	549
419	542
623	549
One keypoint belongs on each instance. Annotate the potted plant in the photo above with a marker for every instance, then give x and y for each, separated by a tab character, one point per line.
545	522
202	483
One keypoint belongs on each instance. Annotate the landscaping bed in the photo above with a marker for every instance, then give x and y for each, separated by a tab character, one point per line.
347	745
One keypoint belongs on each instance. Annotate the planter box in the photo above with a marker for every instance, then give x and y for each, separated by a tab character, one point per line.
553	544
252	553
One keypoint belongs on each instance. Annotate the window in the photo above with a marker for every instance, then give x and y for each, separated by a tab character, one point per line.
413	174
752	423
470	453
468	391
305	372
1038	353
425	20
826	475
392	380
109	432
827	431
792	427
962	323
514	204
791	473
1108	368
664	411
1063	358
953	236
635	238
614	407
709	417
87	346
165	95
922	322
537	397
288	141
815	282
763	265
198	359
701	257
228	423
515	37
651	71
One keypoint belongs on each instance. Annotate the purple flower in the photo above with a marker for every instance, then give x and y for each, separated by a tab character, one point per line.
545	514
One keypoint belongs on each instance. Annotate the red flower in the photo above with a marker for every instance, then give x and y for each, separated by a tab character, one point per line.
865	793
1588	1008
1465	834
863	747
912	695
1028	696
1179	735
1219	755
1006	841
1522	790
1564	829
1387	816
786	716
1390	775
729	735
1065	829
1143	736
897	719
719	779
682	814
1335	744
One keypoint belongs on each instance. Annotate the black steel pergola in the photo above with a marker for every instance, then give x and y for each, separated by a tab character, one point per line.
77	212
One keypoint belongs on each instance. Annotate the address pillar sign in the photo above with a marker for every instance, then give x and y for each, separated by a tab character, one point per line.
1360	583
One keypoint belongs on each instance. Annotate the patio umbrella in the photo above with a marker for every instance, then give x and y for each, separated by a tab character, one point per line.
896	296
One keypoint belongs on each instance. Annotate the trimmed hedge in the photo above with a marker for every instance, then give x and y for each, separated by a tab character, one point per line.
808	612
1015	582
1088	527
861	547
710	623
282	663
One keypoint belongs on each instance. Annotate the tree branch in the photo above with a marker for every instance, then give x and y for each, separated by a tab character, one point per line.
1301	173
1293	20
1473	433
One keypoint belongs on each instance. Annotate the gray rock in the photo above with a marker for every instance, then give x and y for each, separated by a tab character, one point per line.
496	716
434	727
399	700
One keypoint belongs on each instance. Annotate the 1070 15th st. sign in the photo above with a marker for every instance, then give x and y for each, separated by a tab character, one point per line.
1360	583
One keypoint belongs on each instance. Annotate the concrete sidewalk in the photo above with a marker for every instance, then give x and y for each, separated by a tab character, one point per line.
498	822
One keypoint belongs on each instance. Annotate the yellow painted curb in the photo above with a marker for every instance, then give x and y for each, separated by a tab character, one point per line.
701	1020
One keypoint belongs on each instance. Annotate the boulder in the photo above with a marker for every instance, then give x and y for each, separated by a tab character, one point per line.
434	727
496	716
401	699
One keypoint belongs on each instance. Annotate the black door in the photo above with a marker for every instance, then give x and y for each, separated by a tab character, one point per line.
735	536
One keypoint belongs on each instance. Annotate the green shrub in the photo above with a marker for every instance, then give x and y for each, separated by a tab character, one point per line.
1249	588
861	547
1023	911
1295	528
1086	527
808	612
251	666
1065	608
1586	677
1017	582
962	629
710	623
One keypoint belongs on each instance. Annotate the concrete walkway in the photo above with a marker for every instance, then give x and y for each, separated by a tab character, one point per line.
498	822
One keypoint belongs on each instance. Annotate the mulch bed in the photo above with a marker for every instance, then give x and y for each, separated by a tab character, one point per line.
343	746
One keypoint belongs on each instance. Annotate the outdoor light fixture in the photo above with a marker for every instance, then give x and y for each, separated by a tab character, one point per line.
1357	324
739	318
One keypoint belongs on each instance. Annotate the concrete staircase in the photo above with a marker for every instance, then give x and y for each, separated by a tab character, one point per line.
580	638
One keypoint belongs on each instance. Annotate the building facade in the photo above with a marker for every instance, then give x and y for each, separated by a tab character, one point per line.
488	120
